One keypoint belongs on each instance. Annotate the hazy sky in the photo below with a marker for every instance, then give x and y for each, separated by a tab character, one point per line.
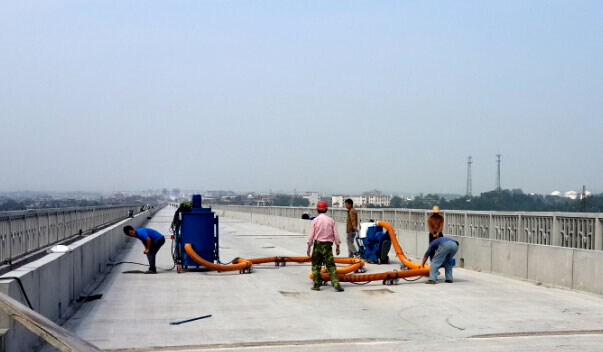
327	96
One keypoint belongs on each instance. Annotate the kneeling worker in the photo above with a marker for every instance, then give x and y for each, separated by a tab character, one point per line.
441	251
323	233
152	241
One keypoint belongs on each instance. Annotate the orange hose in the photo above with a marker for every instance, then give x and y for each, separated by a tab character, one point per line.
399	253
355	264
377	276
280	259
242	263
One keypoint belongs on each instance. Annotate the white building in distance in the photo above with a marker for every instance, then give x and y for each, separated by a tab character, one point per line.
375	198
312	197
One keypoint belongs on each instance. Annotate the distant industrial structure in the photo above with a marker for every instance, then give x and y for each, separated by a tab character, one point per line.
498	172
469	191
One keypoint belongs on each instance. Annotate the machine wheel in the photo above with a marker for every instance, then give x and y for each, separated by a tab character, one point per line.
178	268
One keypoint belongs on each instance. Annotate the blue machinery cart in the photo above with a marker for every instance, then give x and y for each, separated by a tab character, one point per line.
373	243
199	227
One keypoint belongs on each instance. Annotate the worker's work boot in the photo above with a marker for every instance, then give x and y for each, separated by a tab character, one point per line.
151	271
316	288
431	282
338	288
448	281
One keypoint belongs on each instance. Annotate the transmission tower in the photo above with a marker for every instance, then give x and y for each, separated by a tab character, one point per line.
498	173
469	162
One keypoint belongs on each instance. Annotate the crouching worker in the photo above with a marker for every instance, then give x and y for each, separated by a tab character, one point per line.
441	251
323	233
152	241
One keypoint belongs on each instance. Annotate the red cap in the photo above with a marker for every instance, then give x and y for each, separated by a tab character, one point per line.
322	205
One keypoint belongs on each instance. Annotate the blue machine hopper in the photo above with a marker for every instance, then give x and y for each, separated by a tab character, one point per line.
199	228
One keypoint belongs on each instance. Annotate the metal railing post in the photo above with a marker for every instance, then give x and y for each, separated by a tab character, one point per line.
10	238
39	234
556	232
466	230
598	234
491	232
519	232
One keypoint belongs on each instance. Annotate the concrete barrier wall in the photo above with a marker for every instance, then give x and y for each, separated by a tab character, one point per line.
24	232
54	282
571	230
578	269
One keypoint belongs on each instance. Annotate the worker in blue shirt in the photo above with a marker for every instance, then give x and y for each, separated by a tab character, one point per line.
152	241
441	251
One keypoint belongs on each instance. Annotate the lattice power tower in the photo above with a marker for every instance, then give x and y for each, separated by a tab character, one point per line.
498	172
469	162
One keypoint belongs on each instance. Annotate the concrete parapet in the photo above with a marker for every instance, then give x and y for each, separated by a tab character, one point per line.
477	253
549	264
510	259
408	242
53	283
587	271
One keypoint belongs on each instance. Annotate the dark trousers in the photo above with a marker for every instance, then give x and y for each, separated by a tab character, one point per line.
155	245
432	237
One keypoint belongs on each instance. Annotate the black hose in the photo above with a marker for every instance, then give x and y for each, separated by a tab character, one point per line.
405	279
358	283
21	286
126	262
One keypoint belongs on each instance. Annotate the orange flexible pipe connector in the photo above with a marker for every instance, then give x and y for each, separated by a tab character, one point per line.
355	264
377	276
399	253
240	265
280	259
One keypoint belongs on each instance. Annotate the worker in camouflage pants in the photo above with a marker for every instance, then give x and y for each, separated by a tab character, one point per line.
323	254
323	233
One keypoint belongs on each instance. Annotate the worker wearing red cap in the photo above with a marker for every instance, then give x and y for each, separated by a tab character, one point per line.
323	233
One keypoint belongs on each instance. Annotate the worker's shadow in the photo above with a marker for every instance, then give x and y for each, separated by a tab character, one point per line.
133	272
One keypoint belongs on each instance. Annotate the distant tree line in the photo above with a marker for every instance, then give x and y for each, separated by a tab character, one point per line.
9	204
505	200
285	200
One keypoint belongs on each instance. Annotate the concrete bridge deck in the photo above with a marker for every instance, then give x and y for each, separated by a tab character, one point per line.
273	308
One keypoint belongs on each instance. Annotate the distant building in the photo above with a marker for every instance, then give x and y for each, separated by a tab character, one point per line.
218	194
379	200
375	198
556	193
571	195
312	197
337	201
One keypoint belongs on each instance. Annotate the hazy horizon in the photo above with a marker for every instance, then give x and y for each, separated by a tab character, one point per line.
338	97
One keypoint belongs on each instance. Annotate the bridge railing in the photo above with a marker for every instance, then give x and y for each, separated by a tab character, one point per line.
24	232
571	230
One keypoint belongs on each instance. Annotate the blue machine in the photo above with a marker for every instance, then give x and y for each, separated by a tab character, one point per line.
373	243
197	226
